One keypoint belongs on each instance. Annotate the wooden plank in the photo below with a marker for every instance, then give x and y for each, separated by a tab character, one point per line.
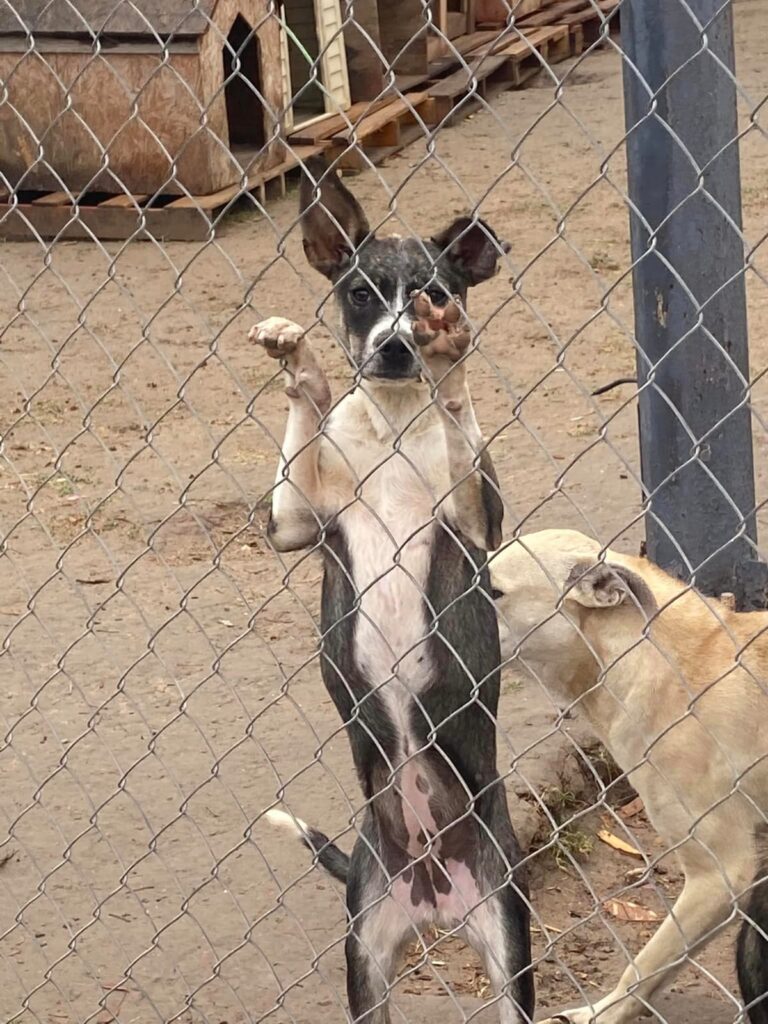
357	159
509	37
469	45
161	16
558	45
579	17
115	223
326	127
534	40
576	36
125	201
455	24
552	14
459	81
466	44
389	135
380	118
403	41
407	83
54	199
255	181
471	6
425	114
214	199
497	11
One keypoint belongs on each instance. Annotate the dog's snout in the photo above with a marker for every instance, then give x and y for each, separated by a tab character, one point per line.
392	357
394	348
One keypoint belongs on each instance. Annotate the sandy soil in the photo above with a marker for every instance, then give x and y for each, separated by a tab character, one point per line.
160	681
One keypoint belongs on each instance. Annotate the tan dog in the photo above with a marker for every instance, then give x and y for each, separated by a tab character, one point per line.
675	686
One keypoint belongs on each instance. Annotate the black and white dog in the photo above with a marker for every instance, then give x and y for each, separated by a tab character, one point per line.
396	486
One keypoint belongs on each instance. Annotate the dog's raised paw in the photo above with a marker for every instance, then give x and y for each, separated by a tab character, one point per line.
277	336
440	331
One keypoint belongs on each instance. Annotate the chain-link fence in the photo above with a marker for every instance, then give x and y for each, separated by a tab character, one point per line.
244	569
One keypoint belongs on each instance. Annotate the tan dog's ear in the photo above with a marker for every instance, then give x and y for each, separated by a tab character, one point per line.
606	585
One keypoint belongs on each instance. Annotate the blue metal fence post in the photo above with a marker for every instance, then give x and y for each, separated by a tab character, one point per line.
689	293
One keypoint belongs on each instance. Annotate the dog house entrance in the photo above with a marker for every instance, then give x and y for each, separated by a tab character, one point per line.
242	75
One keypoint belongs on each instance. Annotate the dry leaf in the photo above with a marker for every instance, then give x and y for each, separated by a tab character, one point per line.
632	808
633	874
617	844
626	910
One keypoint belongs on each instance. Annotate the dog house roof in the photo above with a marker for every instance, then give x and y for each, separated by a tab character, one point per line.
135	19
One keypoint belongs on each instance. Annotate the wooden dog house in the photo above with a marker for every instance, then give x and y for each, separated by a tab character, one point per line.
144	97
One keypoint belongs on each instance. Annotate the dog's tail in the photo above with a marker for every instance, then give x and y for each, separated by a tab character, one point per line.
328	854
752	948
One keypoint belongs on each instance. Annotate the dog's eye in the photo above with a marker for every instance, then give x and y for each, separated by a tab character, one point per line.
437	296
360	296
496	594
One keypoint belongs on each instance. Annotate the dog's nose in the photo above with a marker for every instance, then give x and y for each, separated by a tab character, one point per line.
394	349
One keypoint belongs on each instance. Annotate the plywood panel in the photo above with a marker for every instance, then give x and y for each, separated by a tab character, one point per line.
130	113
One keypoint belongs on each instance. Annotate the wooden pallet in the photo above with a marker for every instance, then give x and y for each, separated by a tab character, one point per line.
324	127
383	132
48	215
497	67
585	24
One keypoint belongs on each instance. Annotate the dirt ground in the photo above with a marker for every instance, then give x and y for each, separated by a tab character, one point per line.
160	679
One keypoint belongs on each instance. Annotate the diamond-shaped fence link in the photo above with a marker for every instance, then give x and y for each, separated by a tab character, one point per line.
248	608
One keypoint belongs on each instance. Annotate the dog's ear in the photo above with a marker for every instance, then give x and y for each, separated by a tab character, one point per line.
606	585
332	221
472	247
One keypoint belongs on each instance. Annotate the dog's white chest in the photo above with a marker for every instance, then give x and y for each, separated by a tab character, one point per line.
388	484
389	532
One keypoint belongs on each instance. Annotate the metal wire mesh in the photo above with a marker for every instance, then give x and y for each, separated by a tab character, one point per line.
161	657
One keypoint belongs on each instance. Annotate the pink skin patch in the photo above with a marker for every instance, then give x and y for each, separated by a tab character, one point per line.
453	906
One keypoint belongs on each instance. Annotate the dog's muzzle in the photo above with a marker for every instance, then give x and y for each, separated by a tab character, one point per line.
393	359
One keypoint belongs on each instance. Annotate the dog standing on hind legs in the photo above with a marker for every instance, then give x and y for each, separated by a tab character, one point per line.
394	482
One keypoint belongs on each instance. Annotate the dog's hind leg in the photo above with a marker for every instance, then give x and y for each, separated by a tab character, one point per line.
497	929
297	499
379	929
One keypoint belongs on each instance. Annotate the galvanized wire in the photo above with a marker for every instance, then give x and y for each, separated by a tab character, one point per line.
161	660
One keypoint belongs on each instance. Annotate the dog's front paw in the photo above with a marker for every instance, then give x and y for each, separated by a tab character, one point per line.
283	339
583	1015
277	336
441	332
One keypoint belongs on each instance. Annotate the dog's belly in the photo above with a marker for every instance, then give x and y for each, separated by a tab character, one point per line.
415	894
438	883
389	533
